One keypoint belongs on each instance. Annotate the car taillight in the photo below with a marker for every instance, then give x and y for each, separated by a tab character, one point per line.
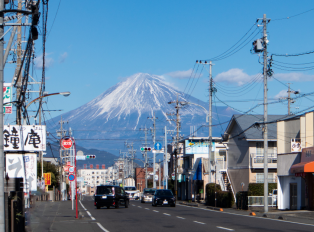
95	203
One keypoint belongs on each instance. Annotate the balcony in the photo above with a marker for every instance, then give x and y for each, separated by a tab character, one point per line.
257	160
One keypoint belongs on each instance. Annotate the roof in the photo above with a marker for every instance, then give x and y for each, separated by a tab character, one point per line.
251	131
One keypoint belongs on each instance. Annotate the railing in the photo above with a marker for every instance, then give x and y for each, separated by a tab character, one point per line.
231	186
270	180
222	183
257	160
259	201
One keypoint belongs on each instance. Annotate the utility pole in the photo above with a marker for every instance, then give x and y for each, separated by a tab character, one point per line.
2	208
18	66
265	41
145	154
210	121
131	152
289	98
154	154
165	160
177	107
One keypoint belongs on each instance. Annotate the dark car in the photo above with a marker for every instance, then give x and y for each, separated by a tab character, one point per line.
147	195
110	195
164	197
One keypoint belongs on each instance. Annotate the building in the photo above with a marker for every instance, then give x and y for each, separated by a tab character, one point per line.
140	177
93	177
245	152
296	162
192	166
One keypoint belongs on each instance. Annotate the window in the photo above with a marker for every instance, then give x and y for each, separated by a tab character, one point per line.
260	178
92	172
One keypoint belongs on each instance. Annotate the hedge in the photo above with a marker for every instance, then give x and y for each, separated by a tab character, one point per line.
257	189
224	198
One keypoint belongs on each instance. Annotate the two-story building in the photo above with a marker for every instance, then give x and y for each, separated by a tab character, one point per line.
245	150
296	162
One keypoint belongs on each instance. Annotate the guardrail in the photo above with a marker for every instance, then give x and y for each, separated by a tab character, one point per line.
259	201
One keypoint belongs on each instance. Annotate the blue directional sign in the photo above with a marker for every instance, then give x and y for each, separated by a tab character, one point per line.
71	177
157	146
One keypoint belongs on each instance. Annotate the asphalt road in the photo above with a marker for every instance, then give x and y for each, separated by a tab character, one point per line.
144	217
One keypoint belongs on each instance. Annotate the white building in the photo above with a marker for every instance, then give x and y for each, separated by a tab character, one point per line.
94	177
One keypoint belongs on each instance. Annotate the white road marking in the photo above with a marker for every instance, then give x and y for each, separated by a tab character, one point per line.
82	205
139	206
147	208
225	228
199	222
133	205
279	220
180	217
167	214
101	227
89	214
156	211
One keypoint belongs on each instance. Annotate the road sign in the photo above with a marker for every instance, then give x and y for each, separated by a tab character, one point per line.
159	151
71	169
66	143
69	163
66	168
80	157
157	146
71	177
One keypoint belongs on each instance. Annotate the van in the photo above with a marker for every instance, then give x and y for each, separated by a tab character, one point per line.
110	195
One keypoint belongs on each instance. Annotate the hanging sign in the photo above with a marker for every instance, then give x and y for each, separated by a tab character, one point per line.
24	138
7	98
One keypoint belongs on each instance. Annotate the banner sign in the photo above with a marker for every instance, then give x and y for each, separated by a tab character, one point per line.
24	138
19	166
7	97
197	146
47	177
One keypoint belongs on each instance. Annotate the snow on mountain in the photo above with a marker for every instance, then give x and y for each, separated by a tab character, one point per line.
117	114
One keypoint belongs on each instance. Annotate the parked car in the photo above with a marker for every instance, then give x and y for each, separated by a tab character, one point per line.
133	193
147	195
164	197
110	195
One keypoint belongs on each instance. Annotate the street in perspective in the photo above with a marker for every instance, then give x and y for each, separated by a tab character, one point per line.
156	116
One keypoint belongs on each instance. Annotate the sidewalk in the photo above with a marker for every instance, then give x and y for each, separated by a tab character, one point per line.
57	216
297	216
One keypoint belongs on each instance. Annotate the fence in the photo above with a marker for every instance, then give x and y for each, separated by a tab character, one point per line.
259	201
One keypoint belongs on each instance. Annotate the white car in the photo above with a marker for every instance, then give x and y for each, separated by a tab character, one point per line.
133	193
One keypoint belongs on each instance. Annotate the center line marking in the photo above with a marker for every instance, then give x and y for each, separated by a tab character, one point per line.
156	211
180	217
199	222
225	228
89	214
147	208
167	214
133	205
139	206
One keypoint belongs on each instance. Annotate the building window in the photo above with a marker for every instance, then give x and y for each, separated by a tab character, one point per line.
260	178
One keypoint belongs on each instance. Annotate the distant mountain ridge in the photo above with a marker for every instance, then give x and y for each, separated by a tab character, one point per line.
116	115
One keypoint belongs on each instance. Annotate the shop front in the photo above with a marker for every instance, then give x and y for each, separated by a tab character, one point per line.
305	170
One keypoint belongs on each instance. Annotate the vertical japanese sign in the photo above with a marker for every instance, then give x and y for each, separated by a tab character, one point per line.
23	166
47	177
24	138
7	97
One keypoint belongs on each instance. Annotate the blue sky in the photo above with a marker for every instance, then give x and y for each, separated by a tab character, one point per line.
93	46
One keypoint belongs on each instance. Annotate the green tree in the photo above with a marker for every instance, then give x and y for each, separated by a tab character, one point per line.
49	168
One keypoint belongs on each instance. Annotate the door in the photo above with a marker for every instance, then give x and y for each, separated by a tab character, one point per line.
293	195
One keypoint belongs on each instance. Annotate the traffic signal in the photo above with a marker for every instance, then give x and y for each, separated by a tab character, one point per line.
146	148
90	156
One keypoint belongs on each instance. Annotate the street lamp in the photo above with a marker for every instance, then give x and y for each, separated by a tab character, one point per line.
66	94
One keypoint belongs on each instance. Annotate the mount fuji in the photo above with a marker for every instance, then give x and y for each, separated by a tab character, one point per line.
117	115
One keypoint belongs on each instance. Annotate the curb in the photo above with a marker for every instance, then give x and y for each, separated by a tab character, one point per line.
215	208
189	204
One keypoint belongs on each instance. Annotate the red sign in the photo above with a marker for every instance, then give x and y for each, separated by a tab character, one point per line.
66	168
66	143
68	163
300	174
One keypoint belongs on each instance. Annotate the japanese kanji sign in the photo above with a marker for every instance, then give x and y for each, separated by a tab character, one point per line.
21	166
7	97
24	138
47	177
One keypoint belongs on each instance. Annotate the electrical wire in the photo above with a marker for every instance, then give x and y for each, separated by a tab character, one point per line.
289	17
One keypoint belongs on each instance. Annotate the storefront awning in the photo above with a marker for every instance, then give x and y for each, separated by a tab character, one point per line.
302	167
